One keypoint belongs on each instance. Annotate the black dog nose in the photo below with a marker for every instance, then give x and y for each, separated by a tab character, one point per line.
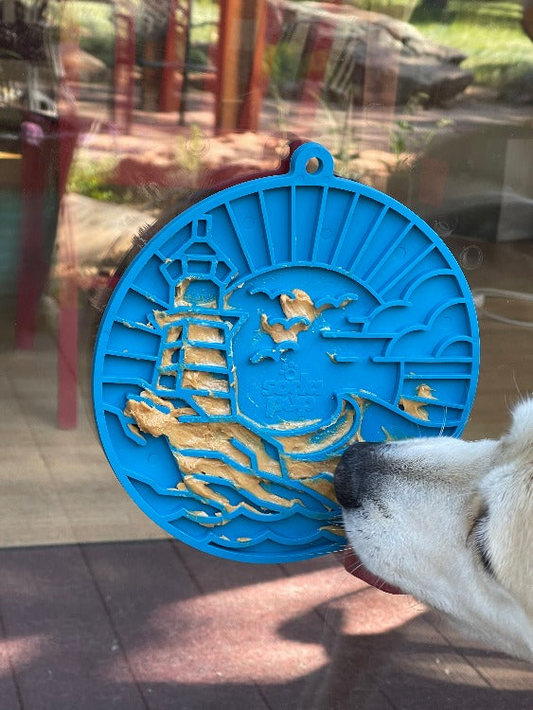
352	472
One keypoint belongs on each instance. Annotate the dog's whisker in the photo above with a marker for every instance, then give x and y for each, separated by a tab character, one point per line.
355	568
443	426
521	397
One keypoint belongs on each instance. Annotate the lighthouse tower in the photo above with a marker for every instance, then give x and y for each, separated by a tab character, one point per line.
195	364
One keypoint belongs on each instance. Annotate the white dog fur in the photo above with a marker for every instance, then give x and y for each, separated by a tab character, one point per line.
450	522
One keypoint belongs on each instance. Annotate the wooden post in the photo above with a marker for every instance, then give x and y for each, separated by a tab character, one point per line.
165	29
153	33
175	55
241	48
253	98
227	86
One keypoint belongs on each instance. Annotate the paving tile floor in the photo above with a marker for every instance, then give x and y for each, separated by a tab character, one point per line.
156	625
99	609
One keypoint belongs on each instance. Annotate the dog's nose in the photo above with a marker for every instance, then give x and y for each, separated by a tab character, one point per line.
351	475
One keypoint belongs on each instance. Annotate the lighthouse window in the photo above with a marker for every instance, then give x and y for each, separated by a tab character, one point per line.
205	356
167	382
204	333
201	380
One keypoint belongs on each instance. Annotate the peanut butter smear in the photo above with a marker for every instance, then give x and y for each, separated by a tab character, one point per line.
202	380
234	453
416	408
279	333
299	305
229	447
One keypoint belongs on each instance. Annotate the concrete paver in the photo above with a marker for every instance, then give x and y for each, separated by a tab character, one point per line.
141	625
49	604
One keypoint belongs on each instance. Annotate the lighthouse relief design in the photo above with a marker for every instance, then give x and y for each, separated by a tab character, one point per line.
258	335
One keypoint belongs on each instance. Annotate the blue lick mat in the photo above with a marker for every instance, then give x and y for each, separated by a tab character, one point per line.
256	336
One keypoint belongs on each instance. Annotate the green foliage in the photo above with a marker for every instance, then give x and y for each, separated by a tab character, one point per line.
95	179
198	57
400	9
481	12
204	21
95	21
286	62
190	150
406	138
489	33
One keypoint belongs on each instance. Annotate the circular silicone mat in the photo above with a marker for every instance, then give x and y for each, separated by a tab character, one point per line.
260	333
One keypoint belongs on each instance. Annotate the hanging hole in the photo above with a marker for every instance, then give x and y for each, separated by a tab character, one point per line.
313	166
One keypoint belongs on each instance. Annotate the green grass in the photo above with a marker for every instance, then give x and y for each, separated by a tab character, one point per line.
204	18
489	33
400	9
95	178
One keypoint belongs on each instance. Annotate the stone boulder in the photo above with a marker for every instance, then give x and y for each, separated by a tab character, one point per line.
363	47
